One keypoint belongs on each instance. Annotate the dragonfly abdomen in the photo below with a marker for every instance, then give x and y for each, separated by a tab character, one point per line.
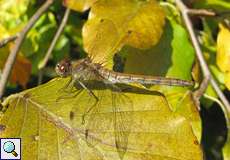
157	80
116	77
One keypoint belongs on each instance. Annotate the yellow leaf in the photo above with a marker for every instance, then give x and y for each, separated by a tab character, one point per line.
223	53
113	24
11	10
95	43
3	32
227	80
223	49
79	5
189	109
137	124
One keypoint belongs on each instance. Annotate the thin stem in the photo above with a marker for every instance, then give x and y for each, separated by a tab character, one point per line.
13	54
202	88
199	92
207	13
206	72
7	40
54	41
201	12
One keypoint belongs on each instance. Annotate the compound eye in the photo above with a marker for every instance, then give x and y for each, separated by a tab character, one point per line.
62	69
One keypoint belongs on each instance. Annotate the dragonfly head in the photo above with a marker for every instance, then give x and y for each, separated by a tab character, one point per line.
64	68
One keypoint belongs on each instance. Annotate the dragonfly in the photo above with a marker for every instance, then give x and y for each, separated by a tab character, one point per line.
84	70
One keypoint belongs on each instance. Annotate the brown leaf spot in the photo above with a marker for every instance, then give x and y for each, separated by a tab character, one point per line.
129	31
2	127
196	142
86	133
71	115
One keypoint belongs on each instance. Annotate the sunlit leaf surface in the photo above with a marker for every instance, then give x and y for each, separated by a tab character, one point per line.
56	125
79	5
12	15
223	53
112	24
214	4
166	59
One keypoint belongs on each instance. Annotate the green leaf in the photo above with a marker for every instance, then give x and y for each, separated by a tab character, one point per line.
220	5
39	39
226	149
59	127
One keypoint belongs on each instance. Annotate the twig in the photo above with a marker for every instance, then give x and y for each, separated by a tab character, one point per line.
54	41
7	40
199	92
201	12
204	66
202	87
207	13
13	54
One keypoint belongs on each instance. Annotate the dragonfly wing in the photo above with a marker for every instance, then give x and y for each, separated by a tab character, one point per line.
122	107
108	122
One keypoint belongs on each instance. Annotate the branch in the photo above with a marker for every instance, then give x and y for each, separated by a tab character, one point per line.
207	13
201	12
54	41
206	72
7	40
13	54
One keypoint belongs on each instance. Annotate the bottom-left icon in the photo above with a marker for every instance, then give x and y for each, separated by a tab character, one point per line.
10	148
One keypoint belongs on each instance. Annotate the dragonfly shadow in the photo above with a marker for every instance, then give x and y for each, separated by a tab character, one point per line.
124	88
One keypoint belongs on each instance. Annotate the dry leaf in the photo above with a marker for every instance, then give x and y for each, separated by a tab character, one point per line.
22	68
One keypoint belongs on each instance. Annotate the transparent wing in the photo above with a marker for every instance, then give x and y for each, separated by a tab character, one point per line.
106	122
122	106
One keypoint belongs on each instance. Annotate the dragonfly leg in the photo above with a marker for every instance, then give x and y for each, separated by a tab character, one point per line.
88	90
69	95
68	87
